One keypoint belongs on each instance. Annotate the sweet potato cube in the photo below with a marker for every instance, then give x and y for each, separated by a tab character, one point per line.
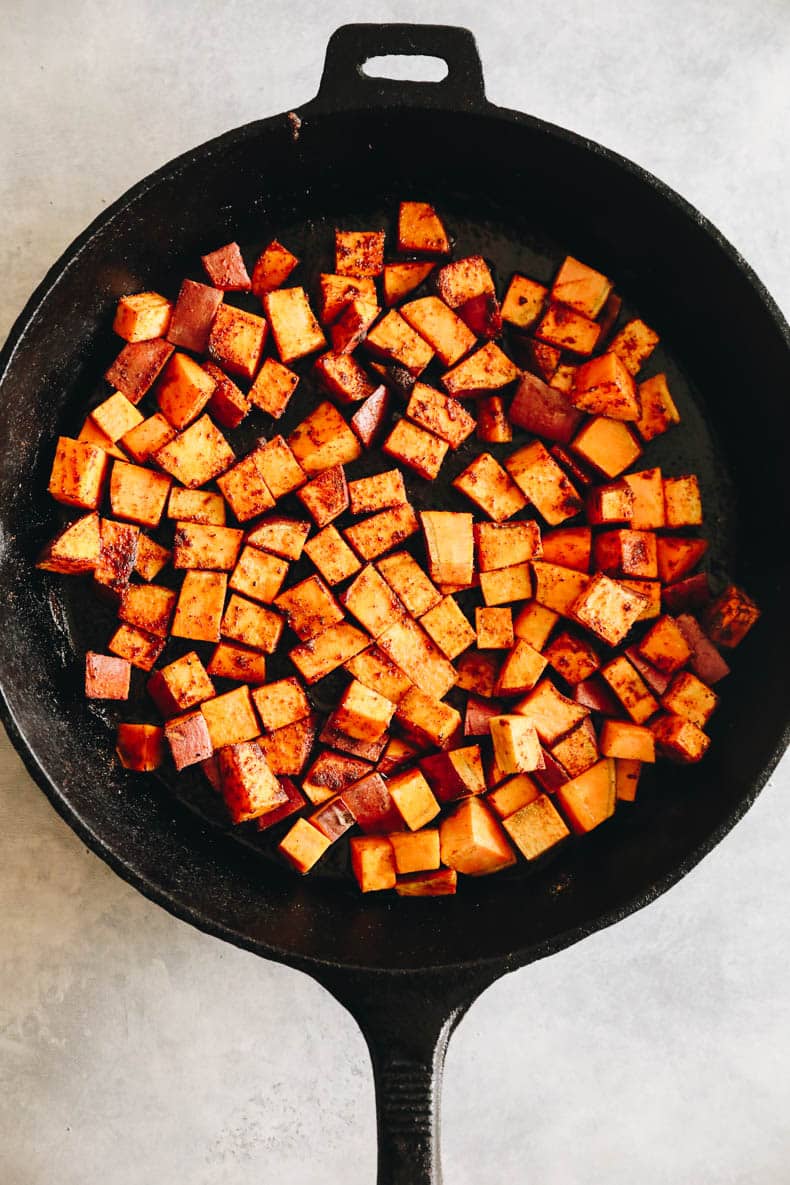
658	409
536	827
323	439
676	557
506	585
142	316
448	627
196	455
251	624
78	473
462	280
632	742
594	695
137	366
607	608
581	287
634	344
533	623
304	845
606	444
612	503
558	588
441	883
140	747
294	802
326	496
679	739
416	448
196	506
626	778
229	661
730	617
228	404
106	676
76	548
568	329
288	749
411	649
148	606
378	492
373	862
538	358
375	670
589	799
421	231
189	739
281	536
363	713
331	774
513	794
494	628
230	718
487	484
258	575
665	647
151	558
501	545
369	420
407	579
294	327
273	387
359	253
138	494
116	416
371	600
544	411
449	541
521	670
342	376
352	325
651	591
523	301
332	556
244	488
540	478
630	689
552	713
396	753
647	506
199	610
237	339
310	608
577	750
274	266
394	340
656	680
682	501
118	543
183	390
180	685
572	657
402	278
333	819
196	545
487	369
473	842
445	333
414	799
378	534
193	316
477	672
626	553
328	650
427	719
147	437
493	424
689	697
568	547
225	269
91	433
279	468
369	802
516	745
416	852
603	386
336	292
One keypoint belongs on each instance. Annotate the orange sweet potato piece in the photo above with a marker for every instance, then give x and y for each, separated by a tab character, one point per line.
140	747
472	840
589	799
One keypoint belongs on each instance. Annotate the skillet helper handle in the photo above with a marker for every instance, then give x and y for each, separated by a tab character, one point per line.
343	82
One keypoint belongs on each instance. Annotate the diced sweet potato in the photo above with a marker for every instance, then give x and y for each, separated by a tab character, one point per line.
534	623
603	386
568	329
472	840
679	739
427	719
196	455
568	547
140	747
540	478
118	543
413	798
294	327
91	433
294	802
371	600
421	231
106	676
516	745
445	333
552	713
199	610
239	663
407	579
369	420
237	339
538	358
142	316
607	608
543	410
487	484
448	627
730	617
147	437
449	541
464	279
138	494
651	591
332	556
626	553
342	376
577	750
689	697
633	742
288	749
626	778
608	445
416	448
369	802
373	862
482	315
494	628
595	695
336	292
273	387
363	713
411	649
647	506
333	819
658	409
377	492
352	325
381	532
573	468
193	316
226	270
244	488
196	545
393	339
612	503
535	827
682	501
281	536
558	588
564	377
228	404
416	852
137	366
326	496
149	606
523	302
506	585
304	845
327	651
487	369
656	680
501	545
440	414
258	575
677	556
274	266
397	753
189	739
634	344
580	286
608	317
310	608
402	278
331	774
359	253
323	439
279	468
116	416
251	624
493	424
375	670
230	718
78	473
183	390
512	795
76	548
665	647
180	685
441	883
589	799
573	658
630	689
521	669
196	506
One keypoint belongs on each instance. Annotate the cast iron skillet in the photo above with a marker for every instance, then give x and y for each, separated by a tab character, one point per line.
522	192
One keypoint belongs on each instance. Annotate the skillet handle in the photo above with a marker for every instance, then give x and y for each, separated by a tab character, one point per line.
343	83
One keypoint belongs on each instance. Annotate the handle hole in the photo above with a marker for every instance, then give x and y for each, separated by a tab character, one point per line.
406	67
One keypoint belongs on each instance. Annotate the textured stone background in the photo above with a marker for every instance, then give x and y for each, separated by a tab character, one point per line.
133	1049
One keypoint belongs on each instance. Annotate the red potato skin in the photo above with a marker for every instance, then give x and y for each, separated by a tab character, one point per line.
371	806
137	367
478	713
106	677
686	596
193	316
188	739
706	662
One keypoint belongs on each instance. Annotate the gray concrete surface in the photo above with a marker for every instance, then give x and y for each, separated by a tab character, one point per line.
133	1049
